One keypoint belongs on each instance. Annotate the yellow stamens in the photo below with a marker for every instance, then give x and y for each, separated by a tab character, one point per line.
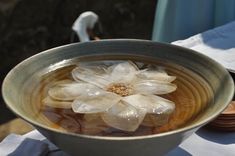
120	89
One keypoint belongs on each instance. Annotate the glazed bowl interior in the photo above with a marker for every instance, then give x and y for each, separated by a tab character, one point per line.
17	85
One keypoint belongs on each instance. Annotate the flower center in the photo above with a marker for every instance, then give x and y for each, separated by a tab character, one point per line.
120	89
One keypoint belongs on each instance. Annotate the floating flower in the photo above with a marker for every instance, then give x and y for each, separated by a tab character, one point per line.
121	93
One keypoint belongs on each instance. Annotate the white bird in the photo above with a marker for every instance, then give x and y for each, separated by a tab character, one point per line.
85	21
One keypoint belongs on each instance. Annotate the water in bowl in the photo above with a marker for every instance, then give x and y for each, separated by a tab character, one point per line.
191	97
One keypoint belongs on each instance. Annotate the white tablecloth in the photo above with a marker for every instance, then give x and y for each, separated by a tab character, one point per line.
207	143
218	43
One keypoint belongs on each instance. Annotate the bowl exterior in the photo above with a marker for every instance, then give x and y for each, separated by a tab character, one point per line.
151	146
217	77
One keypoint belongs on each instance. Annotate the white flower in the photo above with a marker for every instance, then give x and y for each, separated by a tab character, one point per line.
121	93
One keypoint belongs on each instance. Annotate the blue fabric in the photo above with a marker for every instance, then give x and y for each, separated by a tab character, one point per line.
180	19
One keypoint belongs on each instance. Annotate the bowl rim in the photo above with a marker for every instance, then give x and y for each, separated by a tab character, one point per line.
122	138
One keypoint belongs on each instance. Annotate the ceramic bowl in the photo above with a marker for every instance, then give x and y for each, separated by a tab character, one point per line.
214	74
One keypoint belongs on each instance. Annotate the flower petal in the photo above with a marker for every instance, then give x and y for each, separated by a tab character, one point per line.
153	87
71	91
124	117
123	72
62	82
95	103
94	75
57	104
155	75
158	108
152	103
